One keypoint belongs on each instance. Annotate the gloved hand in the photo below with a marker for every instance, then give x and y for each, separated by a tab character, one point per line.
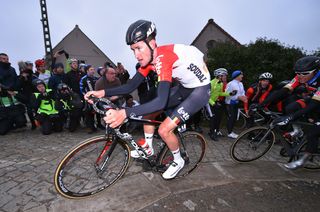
283	120
234	92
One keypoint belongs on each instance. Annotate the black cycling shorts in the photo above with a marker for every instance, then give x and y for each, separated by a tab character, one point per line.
185	102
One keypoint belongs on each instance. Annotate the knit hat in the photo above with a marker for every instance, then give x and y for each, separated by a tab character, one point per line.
99	70
58	65
236	73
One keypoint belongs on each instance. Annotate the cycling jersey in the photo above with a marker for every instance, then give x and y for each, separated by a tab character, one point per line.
256	94
182	63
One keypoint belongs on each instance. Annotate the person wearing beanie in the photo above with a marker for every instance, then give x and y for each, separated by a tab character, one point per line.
232	102
87	83
58	76
100	71
74	76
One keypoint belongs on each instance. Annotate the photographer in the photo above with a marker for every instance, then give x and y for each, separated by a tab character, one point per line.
11	110
69	105
26	88
44	104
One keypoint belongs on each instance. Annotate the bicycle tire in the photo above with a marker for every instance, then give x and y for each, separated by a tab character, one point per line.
76	175
192	147
314	161
247	143
241	122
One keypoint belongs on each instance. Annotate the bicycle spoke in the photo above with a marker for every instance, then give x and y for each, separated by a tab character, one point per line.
252	144
79	174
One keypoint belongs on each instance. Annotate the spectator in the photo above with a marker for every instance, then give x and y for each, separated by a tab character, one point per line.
101	71
69	105
41	71
29	65
58	77
12	112
130	102
26	88
44	103
74	76
122	73
87	83
232	102
216	101
109	80
8	75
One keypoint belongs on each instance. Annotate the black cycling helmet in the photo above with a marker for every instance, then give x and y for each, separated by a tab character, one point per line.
308	63
37	82
140	30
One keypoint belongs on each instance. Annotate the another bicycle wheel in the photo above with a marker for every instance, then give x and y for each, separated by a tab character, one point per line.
241	122
314	161
192	148
252	144
91	167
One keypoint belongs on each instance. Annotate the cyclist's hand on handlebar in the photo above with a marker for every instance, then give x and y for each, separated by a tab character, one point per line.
283	120
115	117
98	94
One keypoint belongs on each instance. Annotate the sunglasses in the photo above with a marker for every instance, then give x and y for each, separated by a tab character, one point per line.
305	73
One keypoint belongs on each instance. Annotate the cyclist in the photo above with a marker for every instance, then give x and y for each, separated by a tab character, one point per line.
307	70
182	62
256	93
306	76
216	102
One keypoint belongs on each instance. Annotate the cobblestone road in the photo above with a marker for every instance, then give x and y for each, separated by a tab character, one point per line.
28	161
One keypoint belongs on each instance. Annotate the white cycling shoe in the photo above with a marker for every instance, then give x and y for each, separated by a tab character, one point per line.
135	153
173	169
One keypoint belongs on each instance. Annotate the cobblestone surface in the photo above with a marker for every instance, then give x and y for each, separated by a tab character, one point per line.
28	161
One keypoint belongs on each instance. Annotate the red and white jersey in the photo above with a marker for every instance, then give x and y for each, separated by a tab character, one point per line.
182	63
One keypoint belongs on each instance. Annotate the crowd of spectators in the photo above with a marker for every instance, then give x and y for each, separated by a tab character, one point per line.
53	100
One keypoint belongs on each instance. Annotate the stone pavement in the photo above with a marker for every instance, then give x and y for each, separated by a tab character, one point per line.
28	161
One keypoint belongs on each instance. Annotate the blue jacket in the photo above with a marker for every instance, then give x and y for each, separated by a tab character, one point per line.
55	80
8	76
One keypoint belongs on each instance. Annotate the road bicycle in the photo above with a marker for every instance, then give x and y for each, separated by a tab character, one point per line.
241	121
99	162
255	142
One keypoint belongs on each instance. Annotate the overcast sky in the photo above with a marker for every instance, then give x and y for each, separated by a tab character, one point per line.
293	22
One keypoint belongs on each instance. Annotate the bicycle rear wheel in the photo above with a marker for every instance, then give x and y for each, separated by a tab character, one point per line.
241	122
313	162
252	144
91	166
192	148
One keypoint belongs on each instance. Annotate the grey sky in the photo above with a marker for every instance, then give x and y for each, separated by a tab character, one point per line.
293	22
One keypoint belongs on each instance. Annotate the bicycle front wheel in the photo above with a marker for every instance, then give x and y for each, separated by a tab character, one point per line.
192	149
91	166
252	144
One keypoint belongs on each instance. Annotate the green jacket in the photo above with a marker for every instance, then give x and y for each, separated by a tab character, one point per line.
47	105
216	91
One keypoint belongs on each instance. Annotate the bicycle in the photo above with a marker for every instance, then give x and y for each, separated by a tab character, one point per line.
241	122
99	162
255	142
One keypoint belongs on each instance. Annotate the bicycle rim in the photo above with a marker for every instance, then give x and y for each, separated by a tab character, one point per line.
249	146
192	149
77	174
314	162
240	123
